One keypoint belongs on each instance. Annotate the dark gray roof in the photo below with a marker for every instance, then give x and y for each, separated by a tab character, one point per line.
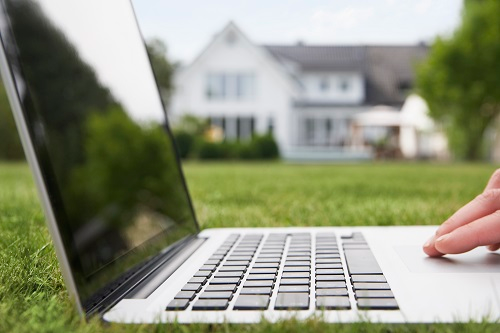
389	70
317	58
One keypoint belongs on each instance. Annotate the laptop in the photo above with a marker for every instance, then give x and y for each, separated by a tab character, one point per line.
97	140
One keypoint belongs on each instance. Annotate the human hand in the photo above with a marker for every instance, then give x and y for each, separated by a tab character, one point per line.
475	224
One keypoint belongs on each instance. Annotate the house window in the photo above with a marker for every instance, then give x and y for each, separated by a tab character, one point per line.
224	86
235	128
344	85
244	86
309	131
216	86
324	84
270	126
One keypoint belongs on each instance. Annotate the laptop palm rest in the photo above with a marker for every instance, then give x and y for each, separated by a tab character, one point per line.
476	261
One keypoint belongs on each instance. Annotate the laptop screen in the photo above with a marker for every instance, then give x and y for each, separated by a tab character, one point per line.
99	131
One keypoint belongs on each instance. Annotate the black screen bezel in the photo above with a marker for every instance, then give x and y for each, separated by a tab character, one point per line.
51	188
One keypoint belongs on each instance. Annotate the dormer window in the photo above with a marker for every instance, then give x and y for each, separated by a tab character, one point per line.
344	85
324	84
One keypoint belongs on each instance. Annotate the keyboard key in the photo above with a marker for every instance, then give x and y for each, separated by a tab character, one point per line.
270	255
198	279
264	271
333	302
206	274
328	261
323	271
328	266
261	277
256	291
373	294
210	268
186	295
330	278
297	263
333	284
371	286
221	287
327	256
273	260
295	301
196	287
239	258
361	262
227	268
216	295
297	269
178	304
216	257
329	252
244	263
290	258
368	278
294	281
252	302
294	289
266	265
212	262
221	275
259	283
377	304
211	304
225	281
303	275
332	292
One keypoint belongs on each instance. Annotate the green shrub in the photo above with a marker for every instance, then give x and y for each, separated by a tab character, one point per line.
259	148
184	142
265	147
211	151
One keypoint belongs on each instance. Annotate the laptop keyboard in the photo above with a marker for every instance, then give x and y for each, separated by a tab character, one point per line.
246	271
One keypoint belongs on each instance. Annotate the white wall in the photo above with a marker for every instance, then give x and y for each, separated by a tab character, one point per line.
272	96
354	94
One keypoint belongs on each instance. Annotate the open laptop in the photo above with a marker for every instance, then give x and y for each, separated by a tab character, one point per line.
96	137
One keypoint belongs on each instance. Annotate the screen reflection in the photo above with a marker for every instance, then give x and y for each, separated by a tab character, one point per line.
98	127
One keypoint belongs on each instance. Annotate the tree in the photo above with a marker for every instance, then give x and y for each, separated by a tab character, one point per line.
460	79
162	68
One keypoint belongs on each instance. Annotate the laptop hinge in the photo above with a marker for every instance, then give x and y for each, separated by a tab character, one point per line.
143	280
163	272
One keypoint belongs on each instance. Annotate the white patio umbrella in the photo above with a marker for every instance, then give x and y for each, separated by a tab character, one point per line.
380	116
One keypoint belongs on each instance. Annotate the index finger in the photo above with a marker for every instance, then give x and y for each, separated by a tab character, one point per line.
484	204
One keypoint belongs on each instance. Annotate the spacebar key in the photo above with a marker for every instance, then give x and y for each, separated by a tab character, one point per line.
361	261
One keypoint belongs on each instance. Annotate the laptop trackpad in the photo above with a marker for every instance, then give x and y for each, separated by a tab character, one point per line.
476	261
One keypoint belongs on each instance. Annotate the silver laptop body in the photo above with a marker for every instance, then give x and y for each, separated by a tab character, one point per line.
98	143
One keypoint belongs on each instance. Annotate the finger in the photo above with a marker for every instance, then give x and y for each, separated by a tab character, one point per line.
494	181
484	231
430	249
484	204
494	247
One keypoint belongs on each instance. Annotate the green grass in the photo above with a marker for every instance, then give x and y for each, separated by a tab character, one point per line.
33	296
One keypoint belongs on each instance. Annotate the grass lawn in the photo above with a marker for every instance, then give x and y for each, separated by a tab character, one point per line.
33	296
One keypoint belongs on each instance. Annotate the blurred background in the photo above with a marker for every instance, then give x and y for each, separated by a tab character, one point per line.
316	81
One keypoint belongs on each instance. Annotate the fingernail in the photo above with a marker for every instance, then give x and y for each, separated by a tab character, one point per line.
429	242
442	238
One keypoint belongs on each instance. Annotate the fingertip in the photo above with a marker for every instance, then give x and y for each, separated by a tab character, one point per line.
450	244
430	249
493	247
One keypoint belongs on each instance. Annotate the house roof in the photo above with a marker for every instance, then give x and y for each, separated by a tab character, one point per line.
389	70
320	58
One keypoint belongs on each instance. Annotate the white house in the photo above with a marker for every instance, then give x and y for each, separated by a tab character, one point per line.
306	96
